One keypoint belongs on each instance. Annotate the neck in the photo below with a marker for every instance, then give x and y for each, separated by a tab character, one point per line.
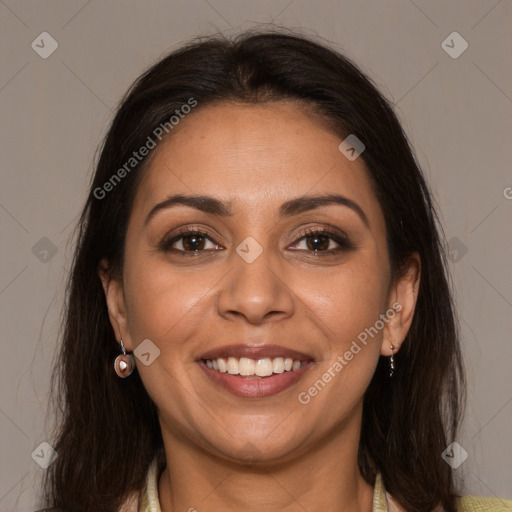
324	477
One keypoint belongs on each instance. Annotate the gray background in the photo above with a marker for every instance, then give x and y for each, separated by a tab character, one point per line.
54	111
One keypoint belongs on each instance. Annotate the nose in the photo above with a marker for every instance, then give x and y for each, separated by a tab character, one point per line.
256	291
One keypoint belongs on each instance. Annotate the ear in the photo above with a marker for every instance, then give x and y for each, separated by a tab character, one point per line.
113	289
402	300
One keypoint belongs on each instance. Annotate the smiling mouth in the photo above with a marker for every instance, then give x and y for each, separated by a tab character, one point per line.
255	378
254	368
255	371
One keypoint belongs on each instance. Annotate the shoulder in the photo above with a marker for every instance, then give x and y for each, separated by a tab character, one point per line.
478	504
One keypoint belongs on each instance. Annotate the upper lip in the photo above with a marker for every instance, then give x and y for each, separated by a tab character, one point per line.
253	351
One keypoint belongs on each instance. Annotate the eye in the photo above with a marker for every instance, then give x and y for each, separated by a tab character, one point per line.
191	240
320	241
317	241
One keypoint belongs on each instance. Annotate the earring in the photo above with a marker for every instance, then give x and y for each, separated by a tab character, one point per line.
391	361
124	363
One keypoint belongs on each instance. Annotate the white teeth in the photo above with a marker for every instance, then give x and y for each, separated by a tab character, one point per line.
223	367
246	366
264	367
278	365
232	366
249	367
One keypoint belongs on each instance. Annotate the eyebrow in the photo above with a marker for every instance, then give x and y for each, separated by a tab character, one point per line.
294	206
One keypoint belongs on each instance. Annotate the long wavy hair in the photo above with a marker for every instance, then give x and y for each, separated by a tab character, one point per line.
107	431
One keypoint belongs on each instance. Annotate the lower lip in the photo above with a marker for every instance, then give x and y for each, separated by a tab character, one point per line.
247	387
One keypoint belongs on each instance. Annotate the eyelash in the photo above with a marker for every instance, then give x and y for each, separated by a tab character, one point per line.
343	242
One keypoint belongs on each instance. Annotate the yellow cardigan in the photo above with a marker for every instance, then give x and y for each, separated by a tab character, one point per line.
382	501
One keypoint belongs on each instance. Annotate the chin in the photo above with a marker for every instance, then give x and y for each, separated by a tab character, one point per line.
262	450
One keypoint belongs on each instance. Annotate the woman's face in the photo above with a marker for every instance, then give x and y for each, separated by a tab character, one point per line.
253	285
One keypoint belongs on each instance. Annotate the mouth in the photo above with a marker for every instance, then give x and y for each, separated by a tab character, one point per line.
250	371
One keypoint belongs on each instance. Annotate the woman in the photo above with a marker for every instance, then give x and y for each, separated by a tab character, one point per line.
259	255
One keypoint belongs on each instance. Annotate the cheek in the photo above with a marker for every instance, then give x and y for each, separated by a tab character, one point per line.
349	303
160	300
347	300
355	299
350	309
163	305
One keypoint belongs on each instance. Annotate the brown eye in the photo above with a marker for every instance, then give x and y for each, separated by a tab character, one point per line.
193	242
320	241
189	241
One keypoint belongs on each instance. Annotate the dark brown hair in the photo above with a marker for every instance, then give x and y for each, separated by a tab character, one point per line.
108	431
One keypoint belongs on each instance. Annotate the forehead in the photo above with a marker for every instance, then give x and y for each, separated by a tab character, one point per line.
251	156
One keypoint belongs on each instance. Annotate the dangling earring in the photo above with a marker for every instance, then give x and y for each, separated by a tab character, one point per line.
124	363
391	361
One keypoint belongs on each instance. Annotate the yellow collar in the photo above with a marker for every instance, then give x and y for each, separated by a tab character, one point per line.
149	497
382	500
